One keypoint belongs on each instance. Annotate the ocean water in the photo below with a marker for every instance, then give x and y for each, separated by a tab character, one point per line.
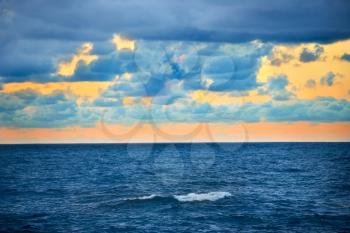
251	187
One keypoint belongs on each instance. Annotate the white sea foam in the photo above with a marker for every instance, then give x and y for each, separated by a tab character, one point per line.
143	197
211	196
190	197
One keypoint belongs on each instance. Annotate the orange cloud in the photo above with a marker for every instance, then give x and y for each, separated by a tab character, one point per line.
299	73
147	101
86	90
216	98
128	100
67	69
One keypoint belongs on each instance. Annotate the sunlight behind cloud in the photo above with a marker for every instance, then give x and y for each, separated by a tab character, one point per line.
67	69
122	43
286	60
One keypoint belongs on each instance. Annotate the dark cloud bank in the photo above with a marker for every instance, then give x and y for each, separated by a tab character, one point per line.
222	20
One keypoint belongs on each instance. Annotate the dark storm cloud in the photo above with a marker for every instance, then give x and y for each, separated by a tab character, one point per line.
233	21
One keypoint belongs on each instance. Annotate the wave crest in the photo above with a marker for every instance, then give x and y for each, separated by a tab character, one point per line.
211	196
190	197
142	198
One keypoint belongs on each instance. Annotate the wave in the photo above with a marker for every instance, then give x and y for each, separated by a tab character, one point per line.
211	196
190	197
142	198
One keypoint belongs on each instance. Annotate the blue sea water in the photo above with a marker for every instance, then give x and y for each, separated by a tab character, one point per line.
251	187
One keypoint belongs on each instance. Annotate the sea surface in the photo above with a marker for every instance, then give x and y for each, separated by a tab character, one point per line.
250	187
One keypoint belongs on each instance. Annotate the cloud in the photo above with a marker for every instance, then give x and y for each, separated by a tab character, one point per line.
227	67
169	81
310	83
345	57
311	55
276	88
232	67
106	102
122	43
322	109
33	60
29	109
9	103
299	72
18	66
67	69
184	110
19	100
279	57
218	72
328	80
229	21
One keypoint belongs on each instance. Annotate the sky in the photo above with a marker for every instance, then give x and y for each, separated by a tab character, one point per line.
165	71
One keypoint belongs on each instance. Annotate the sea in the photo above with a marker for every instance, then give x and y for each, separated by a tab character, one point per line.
175	187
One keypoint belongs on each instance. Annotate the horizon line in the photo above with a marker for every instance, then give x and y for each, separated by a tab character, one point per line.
103	143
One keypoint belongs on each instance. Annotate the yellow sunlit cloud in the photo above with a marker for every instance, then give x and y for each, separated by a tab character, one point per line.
123	43
147	101
128	100
285	61
83	90
299	73
215	98
127	76
67	69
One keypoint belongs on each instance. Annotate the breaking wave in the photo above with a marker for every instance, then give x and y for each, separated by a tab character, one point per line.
212	196
190	197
